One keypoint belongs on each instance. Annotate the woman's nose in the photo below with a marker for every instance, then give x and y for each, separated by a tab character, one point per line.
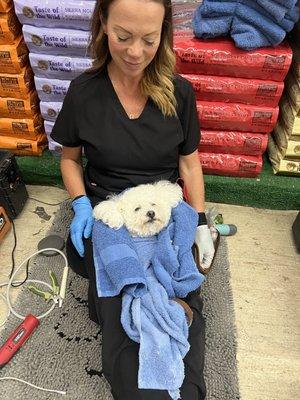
135	50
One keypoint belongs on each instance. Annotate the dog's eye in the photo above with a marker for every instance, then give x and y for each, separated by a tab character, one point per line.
153	204
137	209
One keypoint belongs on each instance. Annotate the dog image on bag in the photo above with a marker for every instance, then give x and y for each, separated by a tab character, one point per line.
142	240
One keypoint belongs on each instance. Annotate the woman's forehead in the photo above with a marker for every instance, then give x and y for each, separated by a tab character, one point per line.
137	16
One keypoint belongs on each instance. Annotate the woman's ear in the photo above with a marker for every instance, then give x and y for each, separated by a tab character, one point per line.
103	23
172	192
108	212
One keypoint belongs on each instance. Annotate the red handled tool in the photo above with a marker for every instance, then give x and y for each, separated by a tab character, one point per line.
18	338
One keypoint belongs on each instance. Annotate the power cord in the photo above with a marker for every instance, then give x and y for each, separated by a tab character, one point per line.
11	309
12	283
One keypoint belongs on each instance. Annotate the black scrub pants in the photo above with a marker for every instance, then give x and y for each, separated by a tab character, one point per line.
120	353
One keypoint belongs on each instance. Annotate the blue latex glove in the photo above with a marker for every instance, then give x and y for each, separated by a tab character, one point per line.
205	244
82	223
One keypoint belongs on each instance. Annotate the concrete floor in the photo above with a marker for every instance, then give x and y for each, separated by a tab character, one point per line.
265	281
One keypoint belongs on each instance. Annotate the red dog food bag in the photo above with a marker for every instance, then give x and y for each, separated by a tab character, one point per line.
221	57
236	117
231	164
233	142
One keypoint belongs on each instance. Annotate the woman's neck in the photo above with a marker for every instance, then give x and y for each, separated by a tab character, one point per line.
122	80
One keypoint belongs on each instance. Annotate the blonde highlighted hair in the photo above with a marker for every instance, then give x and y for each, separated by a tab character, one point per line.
157	81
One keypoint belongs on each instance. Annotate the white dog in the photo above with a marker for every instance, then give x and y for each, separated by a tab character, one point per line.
145	209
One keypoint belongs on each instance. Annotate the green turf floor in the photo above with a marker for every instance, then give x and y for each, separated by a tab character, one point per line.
267	191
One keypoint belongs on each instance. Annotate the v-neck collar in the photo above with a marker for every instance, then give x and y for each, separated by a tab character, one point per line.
118	102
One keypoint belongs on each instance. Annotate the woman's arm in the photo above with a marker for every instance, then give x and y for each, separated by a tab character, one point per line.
72	171
191	172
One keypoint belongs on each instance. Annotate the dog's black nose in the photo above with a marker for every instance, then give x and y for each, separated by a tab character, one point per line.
150	214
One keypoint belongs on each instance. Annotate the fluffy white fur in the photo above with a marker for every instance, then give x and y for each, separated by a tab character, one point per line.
145	209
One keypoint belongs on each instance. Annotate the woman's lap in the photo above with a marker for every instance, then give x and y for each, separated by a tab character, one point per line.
120	353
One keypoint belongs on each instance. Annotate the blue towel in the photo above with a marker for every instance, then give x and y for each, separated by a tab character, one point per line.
252	24
277	10
152	271
117	264
213	18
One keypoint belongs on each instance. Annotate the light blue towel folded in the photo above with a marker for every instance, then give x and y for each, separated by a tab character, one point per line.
150	272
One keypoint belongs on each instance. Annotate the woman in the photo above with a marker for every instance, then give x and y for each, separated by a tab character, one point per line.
137	123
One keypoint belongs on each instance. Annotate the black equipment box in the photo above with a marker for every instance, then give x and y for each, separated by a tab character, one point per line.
13	193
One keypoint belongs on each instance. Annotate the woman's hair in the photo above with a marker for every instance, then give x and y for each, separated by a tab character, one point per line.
157	81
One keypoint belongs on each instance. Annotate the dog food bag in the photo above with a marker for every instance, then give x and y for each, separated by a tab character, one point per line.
288	116
296	58
5	5
231	164
51	89
48	127
233	142
24	147
56	41
236	90
59	67
14	57
17	85
221	57
74	14
283	136
50	110
25	128
54	147
10	27
19	108
292	87
283	166
235	116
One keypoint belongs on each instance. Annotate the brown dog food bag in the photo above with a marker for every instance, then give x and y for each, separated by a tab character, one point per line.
17	85
19	108
10	27
24	147
25	128
5	5
13	57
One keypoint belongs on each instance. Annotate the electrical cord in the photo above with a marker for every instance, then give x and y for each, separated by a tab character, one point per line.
11	309
48	204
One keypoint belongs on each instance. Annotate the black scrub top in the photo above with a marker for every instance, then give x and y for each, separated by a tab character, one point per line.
123	152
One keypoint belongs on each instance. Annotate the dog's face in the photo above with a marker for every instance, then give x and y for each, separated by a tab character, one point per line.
145	210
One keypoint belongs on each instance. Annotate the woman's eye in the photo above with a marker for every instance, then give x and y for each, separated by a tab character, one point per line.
149	43
122	39
137	209
153	204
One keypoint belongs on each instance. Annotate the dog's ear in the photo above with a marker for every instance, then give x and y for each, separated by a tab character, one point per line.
108	212
172	192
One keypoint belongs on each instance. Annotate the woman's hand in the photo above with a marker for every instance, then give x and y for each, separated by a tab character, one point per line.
205	245
82	223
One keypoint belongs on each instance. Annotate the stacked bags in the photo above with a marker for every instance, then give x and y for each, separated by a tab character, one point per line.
237	96
57	35
21	125
251	24
284	144
183	11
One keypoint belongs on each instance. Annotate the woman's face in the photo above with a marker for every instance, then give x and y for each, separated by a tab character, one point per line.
133	28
